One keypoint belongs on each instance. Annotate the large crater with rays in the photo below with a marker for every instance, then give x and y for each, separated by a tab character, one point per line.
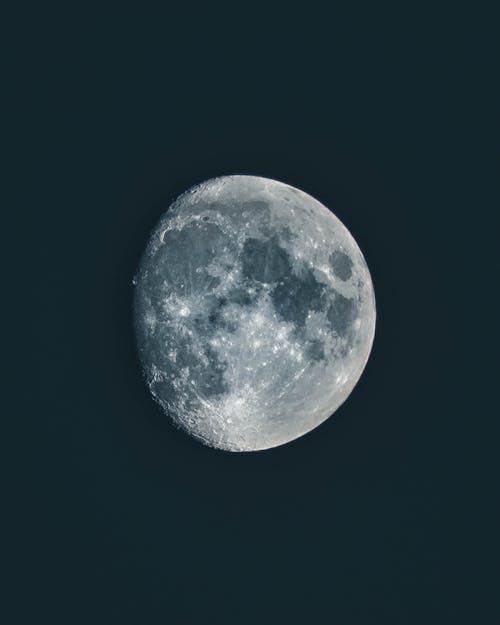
254	313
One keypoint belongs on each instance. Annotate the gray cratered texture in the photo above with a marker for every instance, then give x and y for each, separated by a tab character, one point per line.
254	311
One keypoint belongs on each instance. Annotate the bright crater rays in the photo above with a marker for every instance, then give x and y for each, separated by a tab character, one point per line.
254	313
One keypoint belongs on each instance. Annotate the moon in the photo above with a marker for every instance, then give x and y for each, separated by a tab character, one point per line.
254	313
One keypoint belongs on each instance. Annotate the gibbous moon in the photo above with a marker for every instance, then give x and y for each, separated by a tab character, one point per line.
254	313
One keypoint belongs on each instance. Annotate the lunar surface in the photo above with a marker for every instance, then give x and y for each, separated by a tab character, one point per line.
254	313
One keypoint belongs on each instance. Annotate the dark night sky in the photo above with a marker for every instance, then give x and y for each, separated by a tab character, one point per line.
114	516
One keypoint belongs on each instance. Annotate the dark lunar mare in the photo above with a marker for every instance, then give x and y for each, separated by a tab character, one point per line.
264	264
341	265
294	295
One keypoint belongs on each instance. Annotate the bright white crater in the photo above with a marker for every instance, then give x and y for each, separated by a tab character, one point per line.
254	312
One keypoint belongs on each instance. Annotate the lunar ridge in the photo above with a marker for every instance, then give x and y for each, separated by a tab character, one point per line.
254	313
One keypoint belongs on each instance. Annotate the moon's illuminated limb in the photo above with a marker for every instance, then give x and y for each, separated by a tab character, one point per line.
255	313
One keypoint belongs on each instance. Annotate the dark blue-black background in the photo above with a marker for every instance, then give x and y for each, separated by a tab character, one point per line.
114	516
